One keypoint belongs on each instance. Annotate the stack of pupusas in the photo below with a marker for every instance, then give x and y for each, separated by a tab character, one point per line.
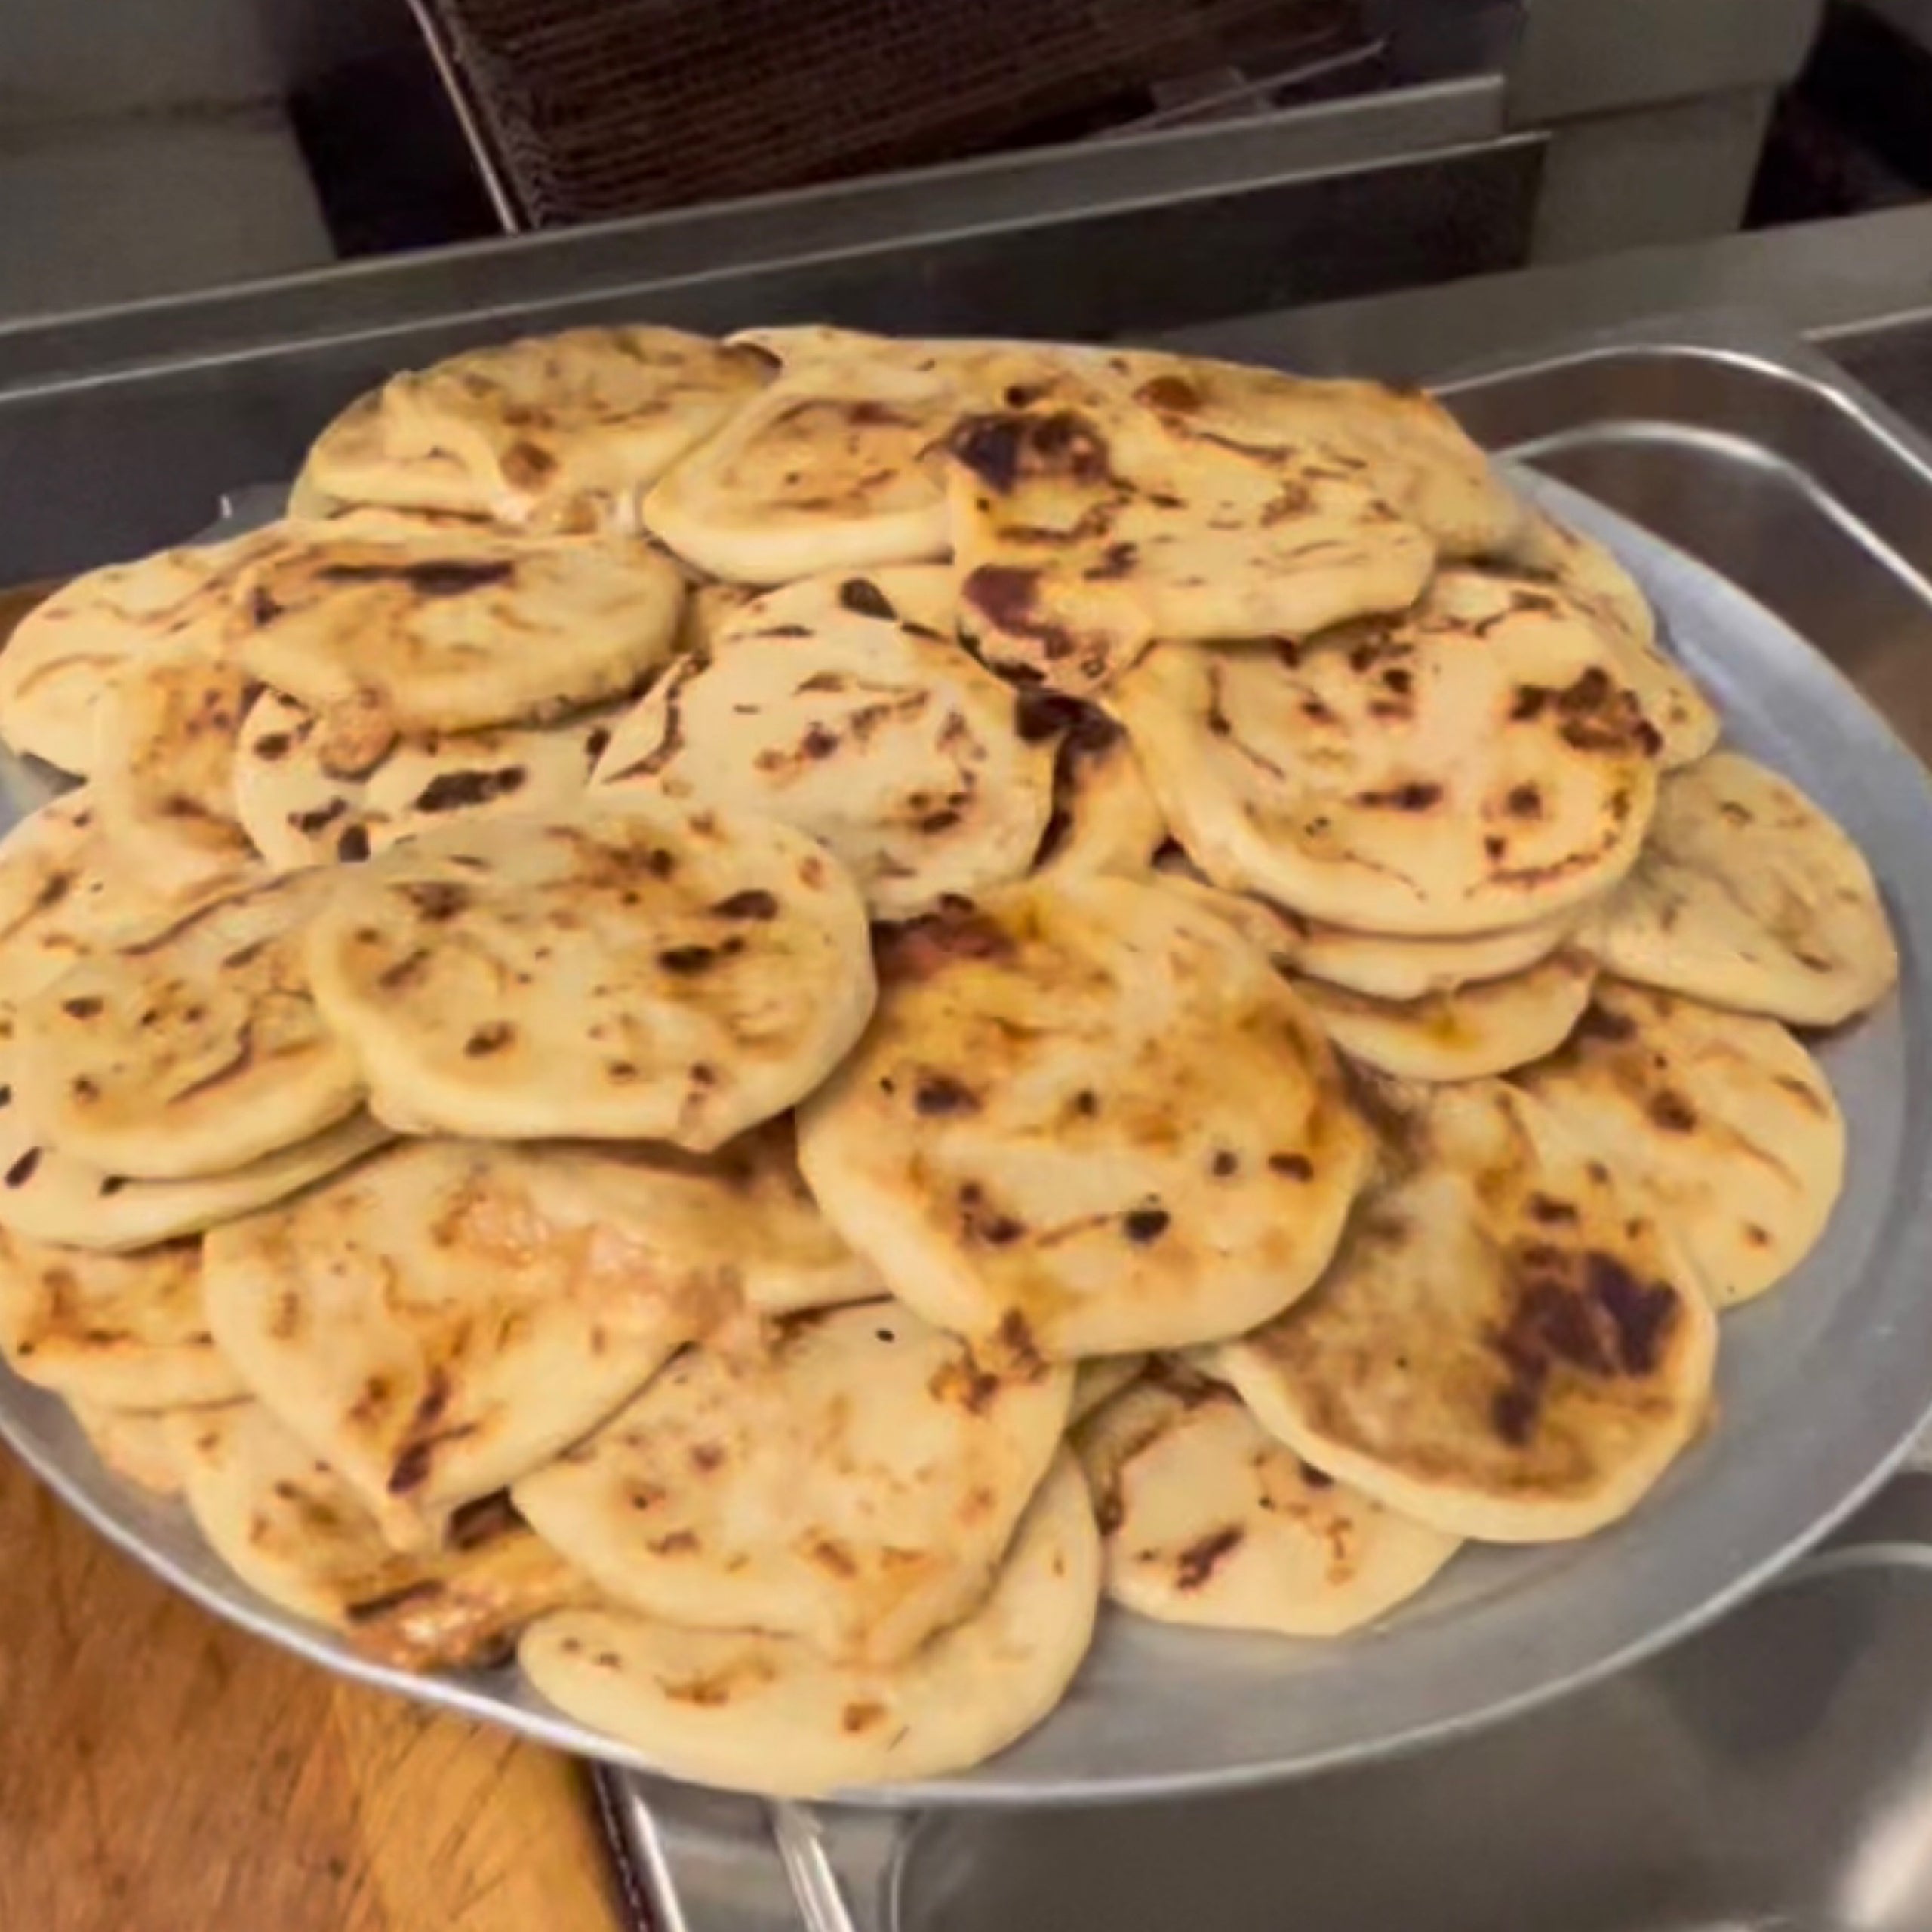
761	1016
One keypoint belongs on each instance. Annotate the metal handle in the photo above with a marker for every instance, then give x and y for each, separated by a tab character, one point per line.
702	1861
1895	1526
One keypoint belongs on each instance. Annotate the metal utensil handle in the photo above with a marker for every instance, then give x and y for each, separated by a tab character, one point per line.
705	1863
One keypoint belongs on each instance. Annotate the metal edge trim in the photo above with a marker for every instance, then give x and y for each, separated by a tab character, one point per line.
637	1861
1743	339
821	1899
680	1894
903	208
490	168
509	307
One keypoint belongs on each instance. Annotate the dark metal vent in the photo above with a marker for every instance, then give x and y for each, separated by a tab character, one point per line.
599	108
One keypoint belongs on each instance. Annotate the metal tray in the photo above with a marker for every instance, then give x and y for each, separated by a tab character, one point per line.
1822	1387
1773	1773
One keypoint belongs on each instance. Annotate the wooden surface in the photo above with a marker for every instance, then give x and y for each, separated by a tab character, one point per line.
161	1771
17	600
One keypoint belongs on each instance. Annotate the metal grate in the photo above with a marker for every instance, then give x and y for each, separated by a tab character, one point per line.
599	108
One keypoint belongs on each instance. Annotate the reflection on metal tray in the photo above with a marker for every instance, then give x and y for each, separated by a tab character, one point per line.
1776	1771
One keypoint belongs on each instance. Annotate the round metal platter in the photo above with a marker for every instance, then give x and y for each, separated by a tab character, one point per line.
1822	1387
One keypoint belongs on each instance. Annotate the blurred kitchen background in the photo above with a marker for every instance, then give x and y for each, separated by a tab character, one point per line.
177	145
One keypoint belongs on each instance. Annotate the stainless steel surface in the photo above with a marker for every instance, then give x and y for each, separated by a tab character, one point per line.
1787	476
1168	229
1891	354
490	168
146	149
1774	1772
543	279
1230	93
1656	111
1826	279
1584	56
1669	171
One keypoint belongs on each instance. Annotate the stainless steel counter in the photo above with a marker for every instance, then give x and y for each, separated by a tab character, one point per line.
1192	237
1857	284
118	429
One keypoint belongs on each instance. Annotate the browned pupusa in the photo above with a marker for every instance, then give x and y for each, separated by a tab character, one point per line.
189	1048
1105	817
1402	439
1477	764
463	1607
631	969
853	1480
1750	896
1085	525
1458	1032
759	1712
67	654
298	812
353	464
1593	579
451	1315
833	467
64	891
49	1196
1510	1345
844	706
166	736
1465	1033
1209	1521
291	1528
589	417
132	1444
1375	963
1721	1119
1089	1118
386	629
127	1330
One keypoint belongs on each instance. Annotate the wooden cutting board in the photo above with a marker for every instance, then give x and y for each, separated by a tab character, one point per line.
161	1771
